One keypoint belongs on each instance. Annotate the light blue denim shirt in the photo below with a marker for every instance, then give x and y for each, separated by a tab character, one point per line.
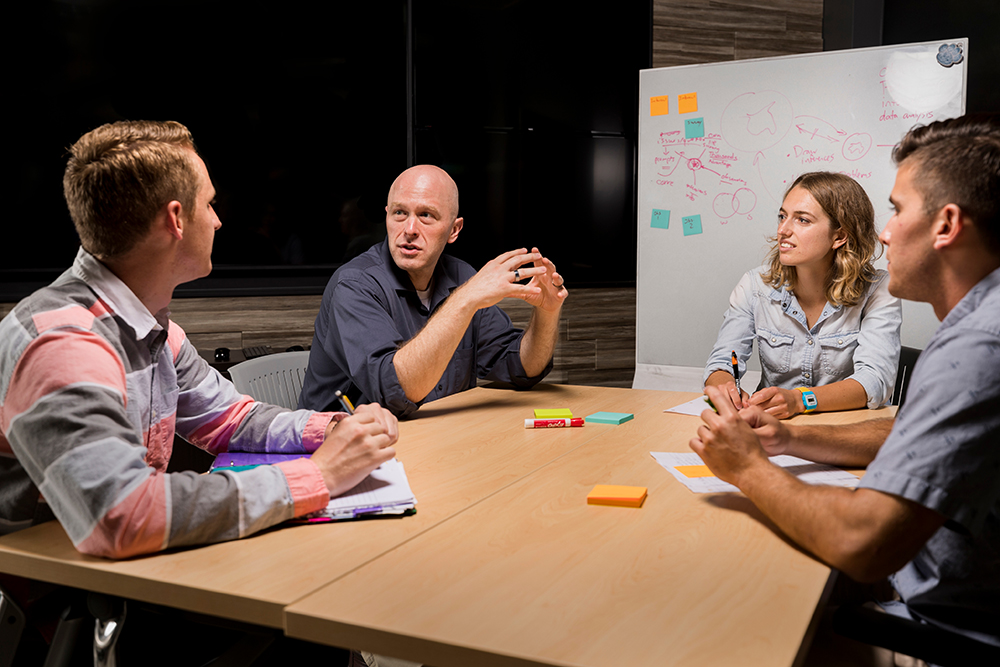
859	342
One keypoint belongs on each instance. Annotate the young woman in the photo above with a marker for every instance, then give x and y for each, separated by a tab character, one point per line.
826	327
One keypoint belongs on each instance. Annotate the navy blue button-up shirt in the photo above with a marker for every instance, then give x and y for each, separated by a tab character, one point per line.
370	310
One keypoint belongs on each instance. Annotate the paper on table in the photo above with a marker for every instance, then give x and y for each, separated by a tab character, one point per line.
385	491
693	407
807	471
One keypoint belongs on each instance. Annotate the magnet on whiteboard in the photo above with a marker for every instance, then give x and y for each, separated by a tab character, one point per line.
949	54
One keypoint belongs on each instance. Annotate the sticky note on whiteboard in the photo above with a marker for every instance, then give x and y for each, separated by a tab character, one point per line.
691	224
661	219
687	103
659	106
694	128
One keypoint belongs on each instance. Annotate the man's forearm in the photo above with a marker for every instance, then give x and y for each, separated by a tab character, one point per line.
539	341
866	534
421	362
843	444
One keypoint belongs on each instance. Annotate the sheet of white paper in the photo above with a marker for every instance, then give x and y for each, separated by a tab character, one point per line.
693	407
385	487
807	471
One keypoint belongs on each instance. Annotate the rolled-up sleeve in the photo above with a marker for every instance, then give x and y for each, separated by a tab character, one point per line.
498	352
365	338
876	358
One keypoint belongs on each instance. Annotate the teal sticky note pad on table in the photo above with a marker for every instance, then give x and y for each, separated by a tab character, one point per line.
694	128
691	224
661	219
609	417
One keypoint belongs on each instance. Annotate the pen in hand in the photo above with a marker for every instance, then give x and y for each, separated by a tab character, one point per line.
736	376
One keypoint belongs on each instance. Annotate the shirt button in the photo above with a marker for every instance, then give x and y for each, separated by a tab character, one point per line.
440	387
809	341
774	340
840	341
795	312
806	375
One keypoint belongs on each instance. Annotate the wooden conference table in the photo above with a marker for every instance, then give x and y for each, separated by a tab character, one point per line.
504	562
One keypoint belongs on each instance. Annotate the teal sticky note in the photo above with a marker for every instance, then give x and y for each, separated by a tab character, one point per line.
694	128
691	224
661	219
609	418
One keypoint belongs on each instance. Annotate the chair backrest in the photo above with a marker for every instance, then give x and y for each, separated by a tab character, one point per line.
274	378
907	360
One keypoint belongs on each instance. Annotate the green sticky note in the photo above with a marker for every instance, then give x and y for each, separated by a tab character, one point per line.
694	128
615	418
553	413
691	224
661	219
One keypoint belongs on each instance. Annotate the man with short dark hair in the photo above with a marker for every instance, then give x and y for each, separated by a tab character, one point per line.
403	324
95	379
927	511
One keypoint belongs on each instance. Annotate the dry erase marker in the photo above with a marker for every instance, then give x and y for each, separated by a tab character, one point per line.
553	423
736	373
345	402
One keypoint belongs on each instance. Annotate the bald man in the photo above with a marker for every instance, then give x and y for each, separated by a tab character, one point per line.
403	324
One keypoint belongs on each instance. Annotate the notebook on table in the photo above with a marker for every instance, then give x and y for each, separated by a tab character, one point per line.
385	492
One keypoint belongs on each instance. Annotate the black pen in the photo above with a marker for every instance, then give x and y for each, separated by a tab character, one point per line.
736	374
346	402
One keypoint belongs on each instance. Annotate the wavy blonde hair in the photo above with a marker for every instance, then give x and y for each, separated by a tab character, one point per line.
847	205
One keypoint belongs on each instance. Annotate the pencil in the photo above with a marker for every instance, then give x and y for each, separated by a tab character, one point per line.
346	402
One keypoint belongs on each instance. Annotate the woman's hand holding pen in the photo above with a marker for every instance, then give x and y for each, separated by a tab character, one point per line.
356	445
724	381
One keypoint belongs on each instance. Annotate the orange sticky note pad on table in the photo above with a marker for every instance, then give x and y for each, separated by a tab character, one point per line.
694	471
659	106
614	494
687	103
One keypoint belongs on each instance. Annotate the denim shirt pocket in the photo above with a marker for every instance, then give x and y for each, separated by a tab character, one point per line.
775	350
837	353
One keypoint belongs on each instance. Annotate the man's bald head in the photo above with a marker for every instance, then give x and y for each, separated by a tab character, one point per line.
429	179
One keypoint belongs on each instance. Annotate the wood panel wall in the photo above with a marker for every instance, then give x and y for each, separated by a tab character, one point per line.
596	335
687	32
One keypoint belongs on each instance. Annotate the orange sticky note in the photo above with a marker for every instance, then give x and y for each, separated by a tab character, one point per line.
687	103
614	494
659	106
694	471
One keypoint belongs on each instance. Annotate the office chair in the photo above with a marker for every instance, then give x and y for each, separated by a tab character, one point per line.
931	643
11	627
907	360
274	378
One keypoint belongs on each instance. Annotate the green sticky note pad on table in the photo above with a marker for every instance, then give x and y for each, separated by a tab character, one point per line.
609	417
554	413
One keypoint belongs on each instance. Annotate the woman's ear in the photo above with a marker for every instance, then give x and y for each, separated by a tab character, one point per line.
839	237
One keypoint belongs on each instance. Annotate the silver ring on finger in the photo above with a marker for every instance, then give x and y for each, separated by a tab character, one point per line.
517	275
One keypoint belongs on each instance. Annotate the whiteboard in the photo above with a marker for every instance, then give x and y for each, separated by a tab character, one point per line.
720	143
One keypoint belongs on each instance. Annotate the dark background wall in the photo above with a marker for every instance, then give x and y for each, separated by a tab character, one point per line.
305	111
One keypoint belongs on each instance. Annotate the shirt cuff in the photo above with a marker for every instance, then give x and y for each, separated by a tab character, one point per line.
874	390
309	492
315	430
